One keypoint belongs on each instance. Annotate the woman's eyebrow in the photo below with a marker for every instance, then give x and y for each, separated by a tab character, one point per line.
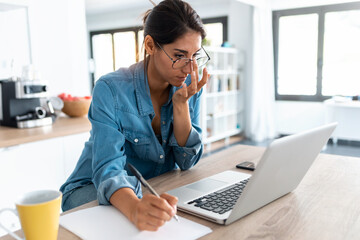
184	51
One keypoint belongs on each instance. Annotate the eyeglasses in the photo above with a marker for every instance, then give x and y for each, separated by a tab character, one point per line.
182	62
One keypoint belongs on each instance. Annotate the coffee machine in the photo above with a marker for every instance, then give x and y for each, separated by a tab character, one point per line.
23	104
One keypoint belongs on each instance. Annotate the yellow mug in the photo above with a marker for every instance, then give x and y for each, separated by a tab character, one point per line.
39	213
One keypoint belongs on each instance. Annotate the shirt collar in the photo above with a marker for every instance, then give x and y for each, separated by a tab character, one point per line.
142	90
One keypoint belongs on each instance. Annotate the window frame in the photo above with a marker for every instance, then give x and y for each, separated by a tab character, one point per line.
321	11
223	20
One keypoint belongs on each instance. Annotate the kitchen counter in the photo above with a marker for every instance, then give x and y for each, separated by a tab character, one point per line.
63	126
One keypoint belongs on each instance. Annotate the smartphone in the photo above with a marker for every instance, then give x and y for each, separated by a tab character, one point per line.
246	165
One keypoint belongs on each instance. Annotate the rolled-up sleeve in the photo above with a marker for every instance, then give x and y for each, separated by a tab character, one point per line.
190	154
109	157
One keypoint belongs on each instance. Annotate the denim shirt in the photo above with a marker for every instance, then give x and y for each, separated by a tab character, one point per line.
121	113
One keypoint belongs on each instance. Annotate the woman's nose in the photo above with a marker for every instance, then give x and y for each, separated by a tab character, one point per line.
188	68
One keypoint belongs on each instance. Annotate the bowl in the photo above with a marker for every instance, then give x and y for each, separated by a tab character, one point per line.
76	108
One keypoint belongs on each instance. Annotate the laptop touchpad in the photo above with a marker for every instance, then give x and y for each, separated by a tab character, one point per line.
206	185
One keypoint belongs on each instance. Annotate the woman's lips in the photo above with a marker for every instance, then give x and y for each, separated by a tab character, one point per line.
182	78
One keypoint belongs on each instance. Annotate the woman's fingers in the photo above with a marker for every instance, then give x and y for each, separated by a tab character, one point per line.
144	226
195	86
184	90
204	79
163	206
172	200
152	212
194	79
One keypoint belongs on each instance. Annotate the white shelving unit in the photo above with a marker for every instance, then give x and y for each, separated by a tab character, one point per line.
223	99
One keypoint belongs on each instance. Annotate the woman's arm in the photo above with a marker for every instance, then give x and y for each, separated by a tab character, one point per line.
182	121
113	183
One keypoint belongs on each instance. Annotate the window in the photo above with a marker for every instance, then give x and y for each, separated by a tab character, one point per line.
341	53
112	49
102	52
316	51
216	31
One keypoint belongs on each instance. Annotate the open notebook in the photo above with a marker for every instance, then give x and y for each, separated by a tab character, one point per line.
106	222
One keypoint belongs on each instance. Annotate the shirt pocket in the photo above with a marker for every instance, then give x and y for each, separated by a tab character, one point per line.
137	144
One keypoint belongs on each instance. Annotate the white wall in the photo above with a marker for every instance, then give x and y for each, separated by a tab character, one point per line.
133	17
241	35
287	4
59	44
14	45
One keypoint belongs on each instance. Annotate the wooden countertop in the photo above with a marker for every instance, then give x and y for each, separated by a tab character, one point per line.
63	126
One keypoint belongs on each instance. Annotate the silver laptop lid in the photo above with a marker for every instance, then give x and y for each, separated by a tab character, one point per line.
281	169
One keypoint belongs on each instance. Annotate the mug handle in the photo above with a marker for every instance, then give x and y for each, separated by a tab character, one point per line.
5	228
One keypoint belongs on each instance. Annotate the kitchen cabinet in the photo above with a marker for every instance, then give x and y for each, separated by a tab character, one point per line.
37	165
30	166
347	114
73	146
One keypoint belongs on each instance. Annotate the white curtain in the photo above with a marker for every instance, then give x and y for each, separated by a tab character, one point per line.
260	87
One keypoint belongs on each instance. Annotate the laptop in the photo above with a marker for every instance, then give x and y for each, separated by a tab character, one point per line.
230	195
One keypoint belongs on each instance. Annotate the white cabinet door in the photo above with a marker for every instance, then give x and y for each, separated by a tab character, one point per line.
73	146
38	165
29	167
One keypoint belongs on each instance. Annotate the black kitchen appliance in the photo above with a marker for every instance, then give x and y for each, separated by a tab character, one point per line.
23	104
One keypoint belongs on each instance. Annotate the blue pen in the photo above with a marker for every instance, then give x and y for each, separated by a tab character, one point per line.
145	183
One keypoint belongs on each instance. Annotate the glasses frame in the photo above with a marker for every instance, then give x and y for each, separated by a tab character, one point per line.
189	59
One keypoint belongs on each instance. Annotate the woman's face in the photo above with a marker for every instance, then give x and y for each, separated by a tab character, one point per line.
187	46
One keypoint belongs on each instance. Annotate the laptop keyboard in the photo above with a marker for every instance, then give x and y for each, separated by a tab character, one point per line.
222	200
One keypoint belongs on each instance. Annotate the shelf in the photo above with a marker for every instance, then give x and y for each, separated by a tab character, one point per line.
223	99
221	49
223	72
222	114
222	93
222	135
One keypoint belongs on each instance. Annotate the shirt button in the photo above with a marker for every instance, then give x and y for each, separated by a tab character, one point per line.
136	140
161	156
163	122
184	154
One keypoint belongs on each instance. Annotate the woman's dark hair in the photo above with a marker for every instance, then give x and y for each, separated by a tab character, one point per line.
170	19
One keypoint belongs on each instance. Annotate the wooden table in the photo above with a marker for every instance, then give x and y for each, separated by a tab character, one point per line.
326	204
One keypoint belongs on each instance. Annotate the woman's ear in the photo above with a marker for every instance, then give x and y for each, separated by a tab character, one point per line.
149	45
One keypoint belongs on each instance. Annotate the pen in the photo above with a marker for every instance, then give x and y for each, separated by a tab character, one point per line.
145	183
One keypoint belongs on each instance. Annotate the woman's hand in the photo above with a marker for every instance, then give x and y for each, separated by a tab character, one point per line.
183	94
152	212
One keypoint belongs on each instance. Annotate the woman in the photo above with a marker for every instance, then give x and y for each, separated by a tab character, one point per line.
146	115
